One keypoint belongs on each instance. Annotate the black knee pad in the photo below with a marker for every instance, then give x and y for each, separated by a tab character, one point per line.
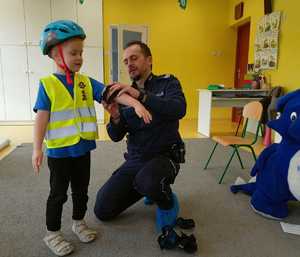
106	95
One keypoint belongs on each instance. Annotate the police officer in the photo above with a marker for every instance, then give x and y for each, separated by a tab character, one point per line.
154	150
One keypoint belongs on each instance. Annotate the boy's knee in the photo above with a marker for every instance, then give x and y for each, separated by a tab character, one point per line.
58	199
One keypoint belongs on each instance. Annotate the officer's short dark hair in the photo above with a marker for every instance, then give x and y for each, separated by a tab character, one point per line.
145	49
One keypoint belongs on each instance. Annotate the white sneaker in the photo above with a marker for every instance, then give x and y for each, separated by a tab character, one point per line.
84	234
57	244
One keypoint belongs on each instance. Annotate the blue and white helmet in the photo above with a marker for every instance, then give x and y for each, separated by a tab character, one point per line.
59	31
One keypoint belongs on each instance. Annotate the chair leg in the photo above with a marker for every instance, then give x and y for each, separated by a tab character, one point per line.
227	166
210	156
239	157
262	129
253	153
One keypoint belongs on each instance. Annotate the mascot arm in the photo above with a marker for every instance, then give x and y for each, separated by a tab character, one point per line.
263	158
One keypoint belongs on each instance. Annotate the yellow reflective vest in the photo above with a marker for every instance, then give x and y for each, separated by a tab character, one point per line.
70	118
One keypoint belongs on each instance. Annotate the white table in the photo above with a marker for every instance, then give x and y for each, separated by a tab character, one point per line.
223	98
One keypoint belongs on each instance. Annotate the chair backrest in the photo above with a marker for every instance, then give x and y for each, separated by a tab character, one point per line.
253	111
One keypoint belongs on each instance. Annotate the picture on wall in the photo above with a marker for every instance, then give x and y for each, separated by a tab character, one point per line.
266	42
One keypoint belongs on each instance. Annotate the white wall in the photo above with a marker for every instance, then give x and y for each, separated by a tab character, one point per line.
21	61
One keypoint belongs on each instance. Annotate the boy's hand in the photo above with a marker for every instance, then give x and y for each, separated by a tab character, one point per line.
37	160
143	113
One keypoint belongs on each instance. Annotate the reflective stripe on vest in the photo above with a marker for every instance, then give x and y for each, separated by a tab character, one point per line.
70	131
70	119
66	115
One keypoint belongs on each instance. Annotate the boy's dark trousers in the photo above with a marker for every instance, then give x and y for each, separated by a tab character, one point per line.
65	171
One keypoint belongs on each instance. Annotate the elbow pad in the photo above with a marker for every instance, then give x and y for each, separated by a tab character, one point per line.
107	97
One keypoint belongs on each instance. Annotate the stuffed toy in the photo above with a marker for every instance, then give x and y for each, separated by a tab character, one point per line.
277	169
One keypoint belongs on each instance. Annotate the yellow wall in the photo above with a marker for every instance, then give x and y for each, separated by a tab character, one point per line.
289	41
289	57
182	41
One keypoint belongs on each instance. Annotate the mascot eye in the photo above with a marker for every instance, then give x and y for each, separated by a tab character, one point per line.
278	114
293	116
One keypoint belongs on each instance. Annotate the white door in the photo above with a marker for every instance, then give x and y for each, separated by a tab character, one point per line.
2	93
92	67
38	66
15	81
12	23
90	18
37	15
64	9
120	36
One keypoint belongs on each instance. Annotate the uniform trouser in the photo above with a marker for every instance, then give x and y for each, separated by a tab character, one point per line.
133	180
65	171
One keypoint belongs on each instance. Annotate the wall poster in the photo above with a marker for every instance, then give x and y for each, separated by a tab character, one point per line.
266	42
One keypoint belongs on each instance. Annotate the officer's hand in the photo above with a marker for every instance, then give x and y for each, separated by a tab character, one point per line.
112	108
143	113
125	89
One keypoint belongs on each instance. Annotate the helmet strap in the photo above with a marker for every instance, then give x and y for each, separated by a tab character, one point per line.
64	66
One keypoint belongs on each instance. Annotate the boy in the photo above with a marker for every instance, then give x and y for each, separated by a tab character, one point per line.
66	118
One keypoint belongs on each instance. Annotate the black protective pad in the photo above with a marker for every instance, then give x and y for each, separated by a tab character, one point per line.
185	223
109	98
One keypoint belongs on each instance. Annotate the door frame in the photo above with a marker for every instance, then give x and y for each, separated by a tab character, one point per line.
120	28
237	72
237	112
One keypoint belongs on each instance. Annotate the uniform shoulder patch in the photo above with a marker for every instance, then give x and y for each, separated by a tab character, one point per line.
165	76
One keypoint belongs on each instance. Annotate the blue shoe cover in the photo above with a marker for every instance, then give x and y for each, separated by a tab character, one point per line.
148	201
167	217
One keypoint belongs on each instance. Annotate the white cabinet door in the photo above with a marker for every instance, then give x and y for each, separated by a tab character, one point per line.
90	18
93	67
2	102
15	81
37	16
12	22
93	62
39	66
64	9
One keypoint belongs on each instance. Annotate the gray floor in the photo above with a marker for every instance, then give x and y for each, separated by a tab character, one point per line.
225	224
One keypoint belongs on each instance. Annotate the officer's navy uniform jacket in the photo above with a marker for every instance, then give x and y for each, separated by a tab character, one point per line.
166	102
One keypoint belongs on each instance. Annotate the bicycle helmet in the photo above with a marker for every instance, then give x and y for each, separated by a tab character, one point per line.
57	32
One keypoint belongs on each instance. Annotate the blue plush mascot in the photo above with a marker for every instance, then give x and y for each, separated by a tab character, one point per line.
277	169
